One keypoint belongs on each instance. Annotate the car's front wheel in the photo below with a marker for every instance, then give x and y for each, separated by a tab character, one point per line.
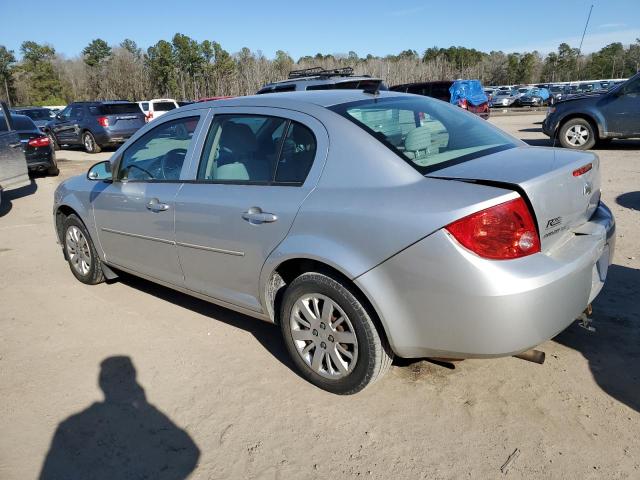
53	141
331	336
577	133
80	252
89	143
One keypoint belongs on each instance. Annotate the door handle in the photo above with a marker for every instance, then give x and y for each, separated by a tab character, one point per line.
156	206
255	216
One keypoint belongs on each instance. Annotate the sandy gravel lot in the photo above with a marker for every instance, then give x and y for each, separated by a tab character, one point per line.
221	400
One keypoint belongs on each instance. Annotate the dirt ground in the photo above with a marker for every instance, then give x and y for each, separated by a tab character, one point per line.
221	400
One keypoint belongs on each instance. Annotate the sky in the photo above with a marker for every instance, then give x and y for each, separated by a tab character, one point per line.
329	26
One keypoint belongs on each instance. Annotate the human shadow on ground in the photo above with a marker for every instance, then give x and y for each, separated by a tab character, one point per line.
122	437
267	334
629	200
613	351
10	196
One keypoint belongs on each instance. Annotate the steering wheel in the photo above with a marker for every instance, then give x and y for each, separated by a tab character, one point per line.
171	163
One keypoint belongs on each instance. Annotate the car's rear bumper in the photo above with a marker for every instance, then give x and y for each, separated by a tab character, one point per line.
437	299
115	137
549	126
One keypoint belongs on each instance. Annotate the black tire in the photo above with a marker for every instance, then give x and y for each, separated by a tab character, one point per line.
584	126
53	169
94	274
53	141
374	356
89	143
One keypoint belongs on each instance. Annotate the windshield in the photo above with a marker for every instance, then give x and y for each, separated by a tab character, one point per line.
427	133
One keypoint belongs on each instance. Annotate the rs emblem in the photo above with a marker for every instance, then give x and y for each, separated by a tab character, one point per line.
587	189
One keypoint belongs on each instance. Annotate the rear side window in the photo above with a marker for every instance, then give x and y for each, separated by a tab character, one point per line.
145	106
116	108
257	149
277	89
298	152
163	106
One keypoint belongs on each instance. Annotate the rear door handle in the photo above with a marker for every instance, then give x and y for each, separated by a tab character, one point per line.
156	206
256	216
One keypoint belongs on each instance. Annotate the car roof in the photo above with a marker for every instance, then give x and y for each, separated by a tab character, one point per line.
323	79
321	98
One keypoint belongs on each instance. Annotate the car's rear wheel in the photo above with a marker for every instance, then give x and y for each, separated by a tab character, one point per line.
331	336
80	252
89	143
577	133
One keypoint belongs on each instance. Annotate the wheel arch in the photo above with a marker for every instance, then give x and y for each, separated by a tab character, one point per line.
595	124
286	271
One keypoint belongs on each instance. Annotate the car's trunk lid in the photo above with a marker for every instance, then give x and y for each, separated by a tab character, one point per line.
561	200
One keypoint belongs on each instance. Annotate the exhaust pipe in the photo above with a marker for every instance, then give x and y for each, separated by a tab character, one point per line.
533	355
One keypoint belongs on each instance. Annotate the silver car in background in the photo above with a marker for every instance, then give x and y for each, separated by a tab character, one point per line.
366	225
503	98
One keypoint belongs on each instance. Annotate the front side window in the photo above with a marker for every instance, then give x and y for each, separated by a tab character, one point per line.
426	133
633	88
160	153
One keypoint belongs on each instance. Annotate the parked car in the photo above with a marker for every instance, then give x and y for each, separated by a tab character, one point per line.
442	91
558	92
95	125
535	97
39	115
580	121
503	98
13	164
210	99
157	107
364	224
321	79
36	145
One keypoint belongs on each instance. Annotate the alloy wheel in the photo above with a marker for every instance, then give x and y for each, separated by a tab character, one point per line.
324	336
78	250
577	135
88	143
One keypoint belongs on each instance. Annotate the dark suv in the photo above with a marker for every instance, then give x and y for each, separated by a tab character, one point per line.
95	125
582	120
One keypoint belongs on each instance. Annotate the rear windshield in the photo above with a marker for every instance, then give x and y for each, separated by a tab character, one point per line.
115	108
20	122
163	106
426	133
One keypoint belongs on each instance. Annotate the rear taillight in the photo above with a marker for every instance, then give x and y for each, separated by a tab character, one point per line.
103	121
149	116
462	103
39	142
501	232
582	170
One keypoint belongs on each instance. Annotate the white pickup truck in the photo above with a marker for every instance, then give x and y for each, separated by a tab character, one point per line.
13	164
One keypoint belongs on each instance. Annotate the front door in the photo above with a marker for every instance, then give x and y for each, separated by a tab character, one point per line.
67	126
622	110
255	170
135	213
13	164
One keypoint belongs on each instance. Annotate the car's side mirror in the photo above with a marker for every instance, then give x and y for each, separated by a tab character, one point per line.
100	171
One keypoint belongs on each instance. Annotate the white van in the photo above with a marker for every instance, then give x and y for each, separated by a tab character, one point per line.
157	107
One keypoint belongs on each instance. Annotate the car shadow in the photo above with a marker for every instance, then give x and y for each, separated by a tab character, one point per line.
539	142
629	200
9	196
613	351
267	334
531	130
123	436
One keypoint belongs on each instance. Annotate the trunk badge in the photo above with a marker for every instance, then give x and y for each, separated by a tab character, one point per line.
587	189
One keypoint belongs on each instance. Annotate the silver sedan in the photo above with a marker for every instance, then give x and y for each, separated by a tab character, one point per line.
365	224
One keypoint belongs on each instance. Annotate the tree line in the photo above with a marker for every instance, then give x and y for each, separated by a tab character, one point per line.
184	68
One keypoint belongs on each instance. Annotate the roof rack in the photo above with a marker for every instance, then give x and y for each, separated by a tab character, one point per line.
321	72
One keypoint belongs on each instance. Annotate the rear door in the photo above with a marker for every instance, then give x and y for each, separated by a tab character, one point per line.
13	165
256	167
